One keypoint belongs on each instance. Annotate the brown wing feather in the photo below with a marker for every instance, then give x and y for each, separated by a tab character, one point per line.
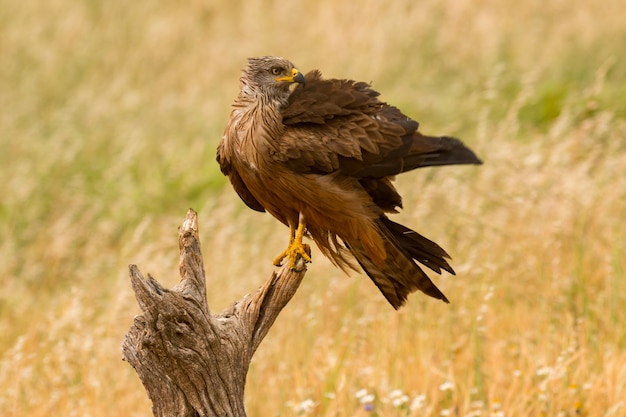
236	181
341	125
383	193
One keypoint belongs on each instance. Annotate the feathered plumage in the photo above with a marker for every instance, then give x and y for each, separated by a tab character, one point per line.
321	158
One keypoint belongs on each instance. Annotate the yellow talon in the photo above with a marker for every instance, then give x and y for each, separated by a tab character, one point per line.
296	247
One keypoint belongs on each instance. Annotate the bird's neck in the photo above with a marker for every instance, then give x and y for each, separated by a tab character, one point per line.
251	97
253	113
257	109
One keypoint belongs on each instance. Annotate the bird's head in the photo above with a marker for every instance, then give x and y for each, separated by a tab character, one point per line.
271	75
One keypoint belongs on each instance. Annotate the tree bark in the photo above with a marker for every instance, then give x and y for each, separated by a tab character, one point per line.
190	362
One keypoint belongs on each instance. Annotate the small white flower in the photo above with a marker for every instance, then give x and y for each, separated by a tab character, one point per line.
305	406
418	402
361	393
367	399
446	386
400	401
543	371
395	393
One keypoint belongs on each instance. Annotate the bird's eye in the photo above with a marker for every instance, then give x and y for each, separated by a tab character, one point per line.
276	70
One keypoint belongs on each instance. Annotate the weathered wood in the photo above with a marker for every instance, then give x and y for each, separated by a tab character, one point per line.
193	363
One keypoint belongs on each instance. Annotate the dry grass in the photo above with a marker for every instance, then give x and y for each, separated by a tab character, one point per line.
110	116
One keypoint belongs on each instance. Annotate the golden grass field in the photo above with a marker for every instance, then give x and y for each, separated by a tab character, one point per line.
109	117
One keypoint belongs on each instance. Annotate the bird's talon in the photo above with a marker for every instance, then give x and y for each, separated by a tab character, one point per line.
279	260
295	250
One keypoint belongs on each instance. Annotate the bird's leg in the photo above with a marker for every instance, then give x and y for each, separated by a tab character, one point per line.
296	247
292	235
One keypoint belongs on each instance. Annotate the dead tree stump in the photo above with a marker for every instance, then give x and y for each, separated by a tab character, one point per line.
190	362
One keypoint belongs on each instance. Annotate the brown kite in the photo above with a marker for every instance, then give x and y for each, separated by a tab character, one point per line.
321	158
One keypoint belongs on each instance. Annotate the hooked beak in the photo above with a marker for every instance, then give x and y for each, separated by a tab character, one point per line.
295	77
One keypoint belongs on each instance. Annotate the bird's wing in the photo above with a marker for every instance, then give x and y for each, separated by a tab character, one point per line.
235	179
341	125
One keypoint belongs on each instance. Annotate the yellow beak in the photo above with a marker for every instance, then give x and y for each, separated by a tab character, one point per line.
295	77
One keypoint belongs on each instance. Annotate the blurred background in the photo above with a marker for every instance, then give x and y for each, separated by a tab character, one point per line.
110	113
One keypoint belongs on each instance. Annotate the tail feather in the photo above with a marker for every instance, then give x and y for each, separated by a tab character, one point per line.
423	250
399	275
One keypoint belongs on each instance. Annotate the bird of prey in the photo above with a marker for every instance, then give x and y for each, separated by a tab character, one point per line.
320	156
